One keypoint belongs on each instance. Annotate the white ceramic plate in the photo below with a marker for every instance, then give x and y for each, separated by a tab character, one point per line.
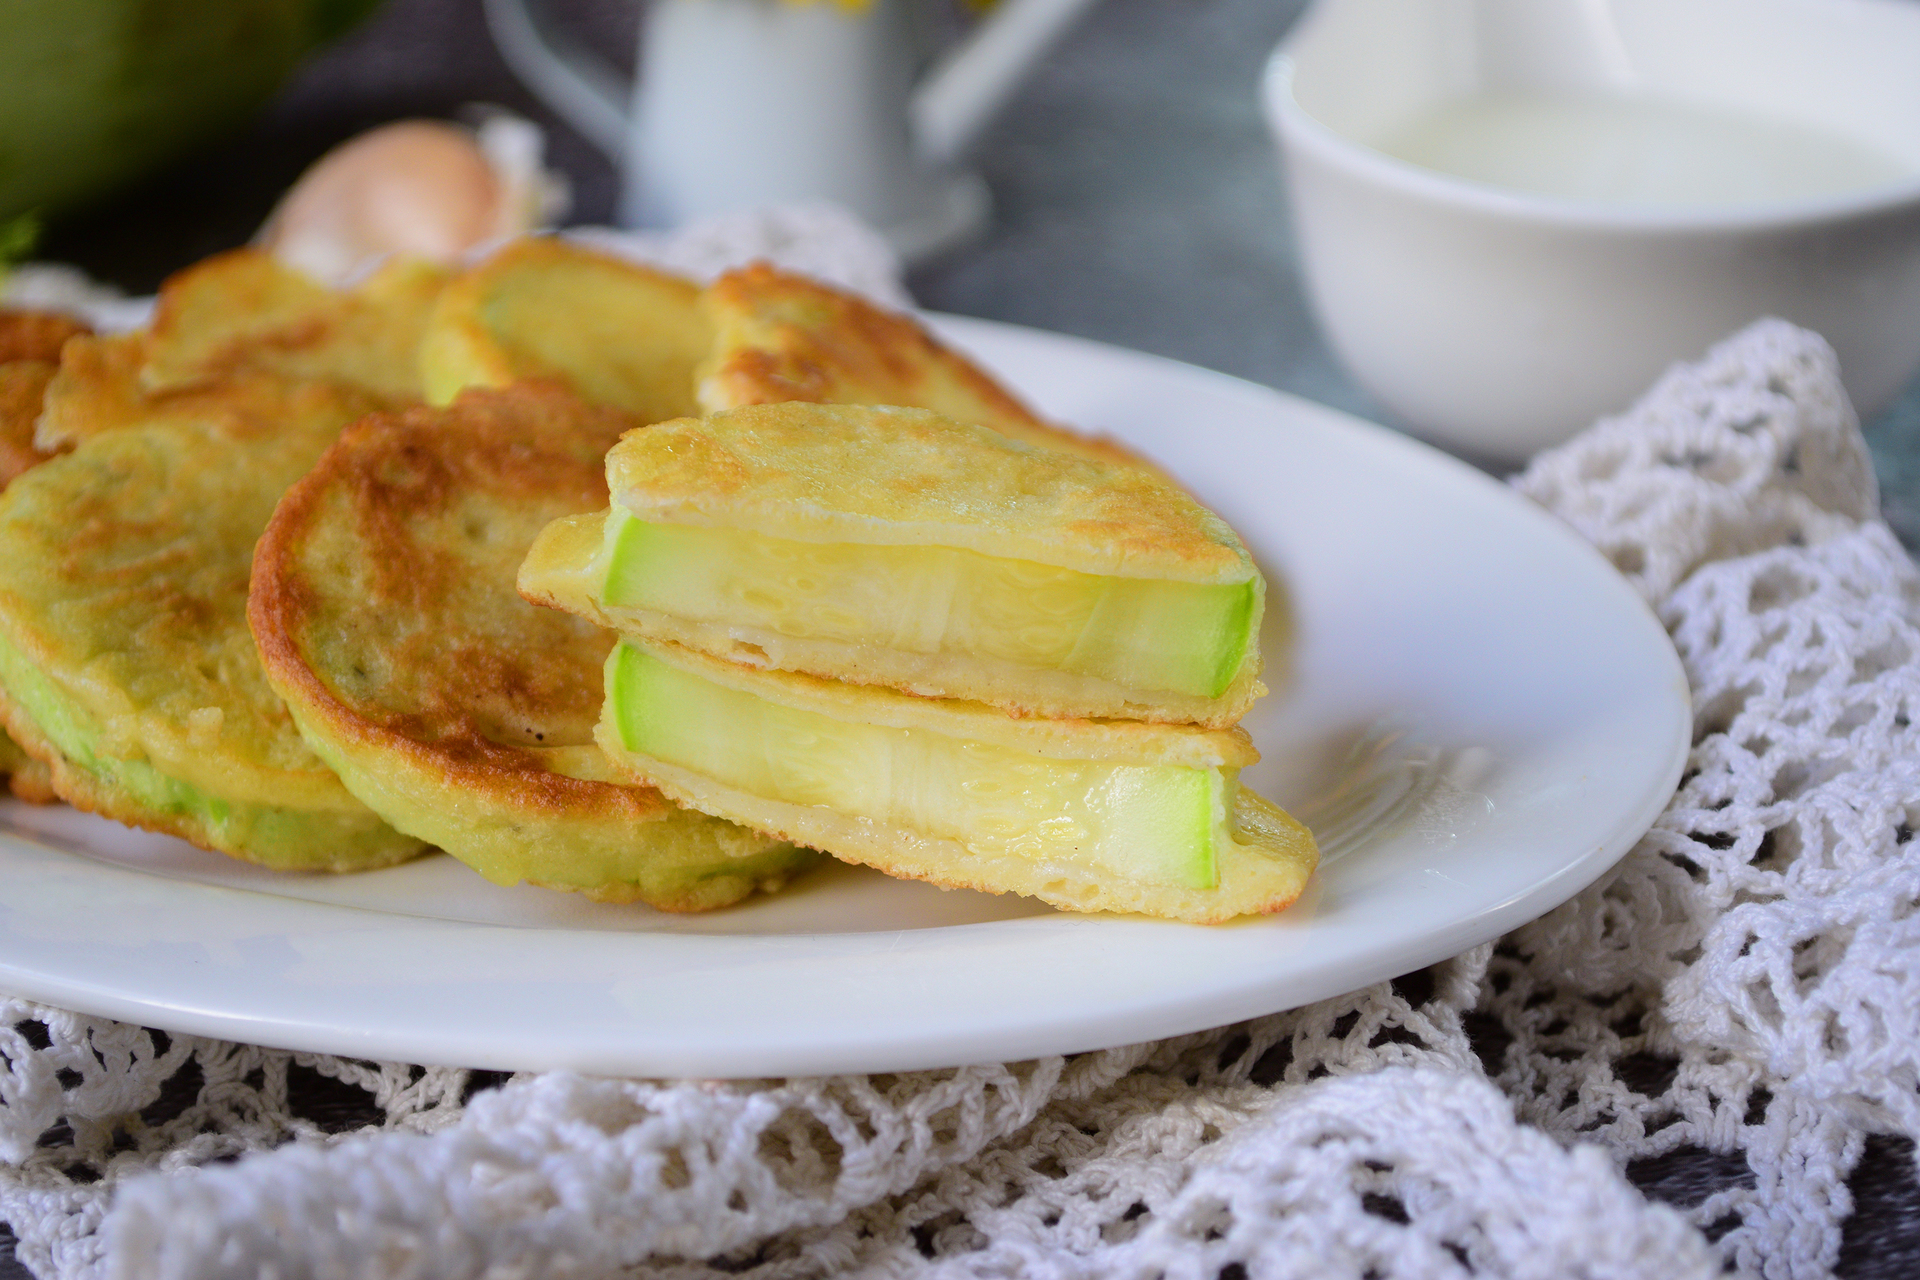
1480	718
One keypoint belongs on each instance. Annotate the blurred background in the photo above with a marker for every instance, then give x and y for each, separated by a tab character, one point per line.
1137	197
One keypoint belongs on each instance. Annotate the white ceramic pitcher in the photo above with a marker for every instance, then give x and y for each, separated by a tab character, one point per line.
749	102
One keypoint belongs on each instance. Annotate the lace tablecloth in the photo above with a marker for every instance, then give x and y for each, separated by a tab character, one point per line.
1745	983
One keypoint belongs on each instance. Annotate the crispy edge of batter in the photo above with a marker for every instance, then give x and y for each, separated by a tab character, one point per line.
511	780
28	778
279	607
781	336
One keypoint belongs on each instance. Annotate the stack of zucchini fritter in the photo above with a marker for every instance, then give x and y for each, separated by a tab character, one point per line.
257	561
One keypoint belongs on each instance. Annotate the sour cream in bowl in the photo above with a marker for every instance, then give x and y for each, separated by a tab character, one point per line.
1514	214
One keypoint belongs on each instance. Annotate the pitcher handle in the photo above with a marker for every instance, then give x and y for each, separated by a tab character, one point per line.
582	89
967	87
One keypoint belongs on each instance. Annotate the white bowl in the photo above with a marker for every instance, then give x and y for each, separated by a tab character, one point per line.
1499	321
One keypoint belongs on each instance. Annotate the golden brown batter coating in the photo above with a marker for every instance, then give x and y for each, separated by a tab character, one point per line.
30	343
784	337
845	473
125	662
36	335
385	611
613	331
243	310
906	478
23	387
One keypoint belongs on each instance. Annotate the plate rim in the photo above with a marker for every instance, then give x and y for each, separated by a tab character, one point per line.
1057	1032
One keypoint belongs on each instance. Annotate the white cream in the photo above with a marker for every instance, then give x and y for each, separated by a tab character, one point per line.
1638	151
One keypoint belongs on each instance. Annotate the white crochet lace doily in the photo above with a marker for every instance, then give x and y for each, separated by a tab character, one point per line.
1746	983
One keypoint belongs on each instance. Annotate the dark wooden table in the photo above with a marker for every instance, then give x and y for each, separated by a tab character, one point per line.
1138	203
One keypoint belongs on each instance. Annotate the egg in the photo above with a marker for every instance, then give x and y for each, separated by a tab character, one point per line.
418	188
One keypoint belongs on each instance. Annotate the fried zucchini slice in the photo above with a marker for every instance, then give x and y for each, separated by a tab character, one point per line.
245	310
782	337
99	388
30	343
23	388
384	607
30	347
96	387
615	332
26	777
1084	815
125	661
896	547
